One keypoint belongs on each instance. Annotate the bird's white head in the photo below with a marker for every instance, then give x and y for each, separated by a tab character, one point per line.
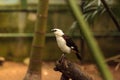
57	32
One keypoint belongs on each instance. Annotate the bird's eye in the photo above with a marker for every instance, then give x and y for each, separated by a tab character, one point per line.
55	30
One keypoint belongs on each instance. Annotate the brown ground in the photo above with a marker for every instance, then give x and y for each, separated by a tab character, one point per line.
16	71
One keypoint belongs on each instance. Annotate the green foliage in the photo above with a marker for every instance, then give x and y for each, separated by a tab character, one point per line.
95	8
92	9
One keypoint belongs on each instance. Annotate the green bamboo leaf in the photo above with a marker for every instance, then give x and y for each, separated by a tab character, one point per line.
87	17
89	5
72	28
99	2
103	10
94	13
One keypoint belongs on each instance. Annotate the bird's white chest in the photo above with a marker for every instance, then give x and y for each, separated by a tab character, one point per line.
62	45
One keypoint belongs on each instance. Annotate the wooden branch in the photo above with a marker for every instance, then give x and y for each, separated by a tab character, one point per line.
113	58
117	67
69	70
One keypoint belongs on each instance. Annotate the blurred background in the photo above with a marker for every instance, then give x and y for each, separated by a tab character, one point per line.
17	22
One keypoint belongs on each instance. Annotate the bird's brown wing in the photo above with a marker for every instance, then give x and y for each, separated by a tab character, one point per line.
70	43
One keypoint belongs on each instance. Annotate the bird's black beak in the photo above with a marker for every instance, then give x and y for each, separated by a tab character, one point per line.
53	30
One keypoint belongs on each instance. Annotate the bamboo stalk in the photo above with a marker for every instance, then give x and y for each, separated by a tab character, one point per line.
38	44
91	42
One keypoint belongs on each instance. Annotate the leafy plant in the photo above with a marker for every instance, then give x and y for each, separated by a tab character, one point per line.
93	8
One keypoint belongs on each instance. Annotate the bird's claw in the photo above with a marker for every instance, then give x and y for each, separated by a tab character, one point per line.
62	58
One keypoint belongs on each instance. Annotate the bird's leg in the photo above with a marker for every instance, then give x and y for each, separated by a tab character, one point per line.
63	55
62	58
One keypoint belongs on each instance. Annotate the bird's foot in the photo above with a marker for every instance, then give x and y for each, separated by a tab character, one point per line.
63	61
62	58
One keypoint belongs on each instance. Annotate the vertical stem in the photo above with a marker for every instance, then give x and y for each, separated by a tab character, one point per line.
38	44
91	42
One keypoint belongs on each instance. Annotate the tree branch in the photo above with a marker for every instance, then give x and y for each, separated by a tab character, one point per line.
69	70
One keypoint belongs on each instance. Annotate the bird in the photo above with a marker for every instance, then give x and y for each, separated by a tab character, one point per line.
65	43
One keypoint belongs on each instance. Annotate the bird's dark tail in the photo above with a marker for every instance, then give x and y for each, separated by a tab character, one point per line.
78	56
